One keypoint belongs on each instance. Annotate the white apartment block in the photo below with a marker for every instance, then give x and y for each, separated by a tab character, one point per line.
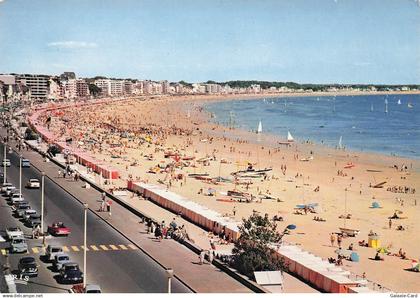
37	84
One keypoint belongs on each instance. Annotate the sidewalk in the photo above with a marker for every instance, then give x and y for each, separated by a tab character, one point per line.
169	253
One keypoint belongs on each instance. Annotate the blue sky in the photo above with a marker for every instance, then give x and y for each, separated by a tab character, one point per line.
306	41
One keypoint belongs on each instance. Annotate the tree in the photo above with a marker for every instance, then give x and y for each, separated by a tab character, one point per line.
94	90
252	252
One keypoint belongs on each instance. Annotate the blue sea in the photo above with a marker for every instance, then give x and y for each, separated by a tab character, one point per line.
361	121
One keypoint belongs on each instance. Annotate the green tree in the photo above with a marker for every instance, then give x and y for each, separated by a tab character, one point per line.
252	252
94	90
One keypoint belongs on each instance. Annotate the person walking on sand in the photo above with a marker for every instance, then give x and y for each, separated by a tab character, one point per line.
339	240
390	224
234	210
332	239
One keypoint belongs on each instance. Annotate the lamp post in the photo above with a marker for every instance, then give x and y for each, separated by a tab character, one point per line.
85	206
42	206
20	176
4	162
169	274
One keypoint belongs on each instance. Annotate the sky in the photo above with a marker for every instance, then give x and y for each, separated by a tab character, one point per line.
305	41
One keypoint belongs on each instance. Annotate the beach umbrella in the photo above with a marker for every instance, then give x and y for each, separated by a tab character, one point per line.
291	227
375	205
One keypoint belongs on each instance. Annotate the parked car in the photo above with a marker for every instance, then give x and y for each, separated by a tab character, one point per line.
9	190
6	162
27	213
4	186
16	198
28	267
18	244
71	273
26	163
60	259
33	183
58	228
33	220
14	233
94	289
52	251
21	208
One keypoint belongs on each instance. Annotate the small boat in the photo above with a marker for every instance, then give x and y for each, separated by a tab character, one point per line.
371	107
410	106
349	232
399	101
340	143
290	137
259	129
386	105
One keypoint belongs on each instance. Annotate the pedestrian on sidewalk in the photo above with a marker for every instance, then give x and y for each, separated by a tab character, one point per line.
59	173
201	257
102	206
108	207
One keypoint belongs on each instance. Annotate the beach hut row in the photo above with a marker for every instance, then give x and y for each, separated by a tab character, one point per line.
318	272
196	213
82	157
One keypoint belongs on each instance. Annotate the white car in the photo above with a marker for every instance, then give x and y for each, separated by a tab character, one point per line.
10	190
28	214
6	162
14	233
16	198
5	186
33	183
52	251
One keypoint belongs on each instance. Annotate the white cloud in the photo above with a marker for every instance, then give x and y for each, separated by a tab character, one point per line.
71	44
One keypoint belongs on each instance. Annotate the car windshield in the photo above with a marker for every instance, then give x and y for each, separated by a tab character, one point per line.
63	258
27	260
17	241
72	267
55	249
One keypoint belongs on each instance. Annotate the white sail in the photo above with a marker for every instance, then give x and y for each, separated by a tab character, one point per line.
371	107
409	105
399	101
259	129
386	105
289	137
340	143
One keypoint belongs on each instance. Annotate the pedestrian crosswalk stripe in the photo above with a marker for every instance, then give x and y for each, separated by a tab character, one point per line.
103	247
66	249
113	247
94	247
75	248
35	250
3	252
87	248
132	246
123	247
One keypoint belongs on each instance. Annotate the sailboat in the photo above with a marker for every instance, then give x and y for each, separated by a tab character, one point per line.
259	129
410	106
371	107
340	143
399	101
386	105
345	230
290	137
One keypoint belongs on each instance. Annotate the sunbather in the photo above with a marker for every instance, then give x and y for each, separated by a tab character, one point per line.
378	257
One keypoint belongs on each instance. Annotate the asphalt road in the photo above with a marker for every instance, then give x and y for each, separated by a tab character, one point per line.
112	261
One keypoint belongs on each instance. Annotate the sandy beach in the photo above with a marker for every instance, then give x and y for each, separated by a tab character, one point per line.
135	135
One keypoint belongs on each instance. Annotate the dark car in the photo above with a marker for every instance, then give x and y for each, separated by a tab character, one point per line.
28	267
20	210
70	273
34	220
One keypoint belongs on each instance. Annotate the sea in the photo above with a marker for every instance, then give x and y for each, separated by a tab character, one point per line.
385	124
